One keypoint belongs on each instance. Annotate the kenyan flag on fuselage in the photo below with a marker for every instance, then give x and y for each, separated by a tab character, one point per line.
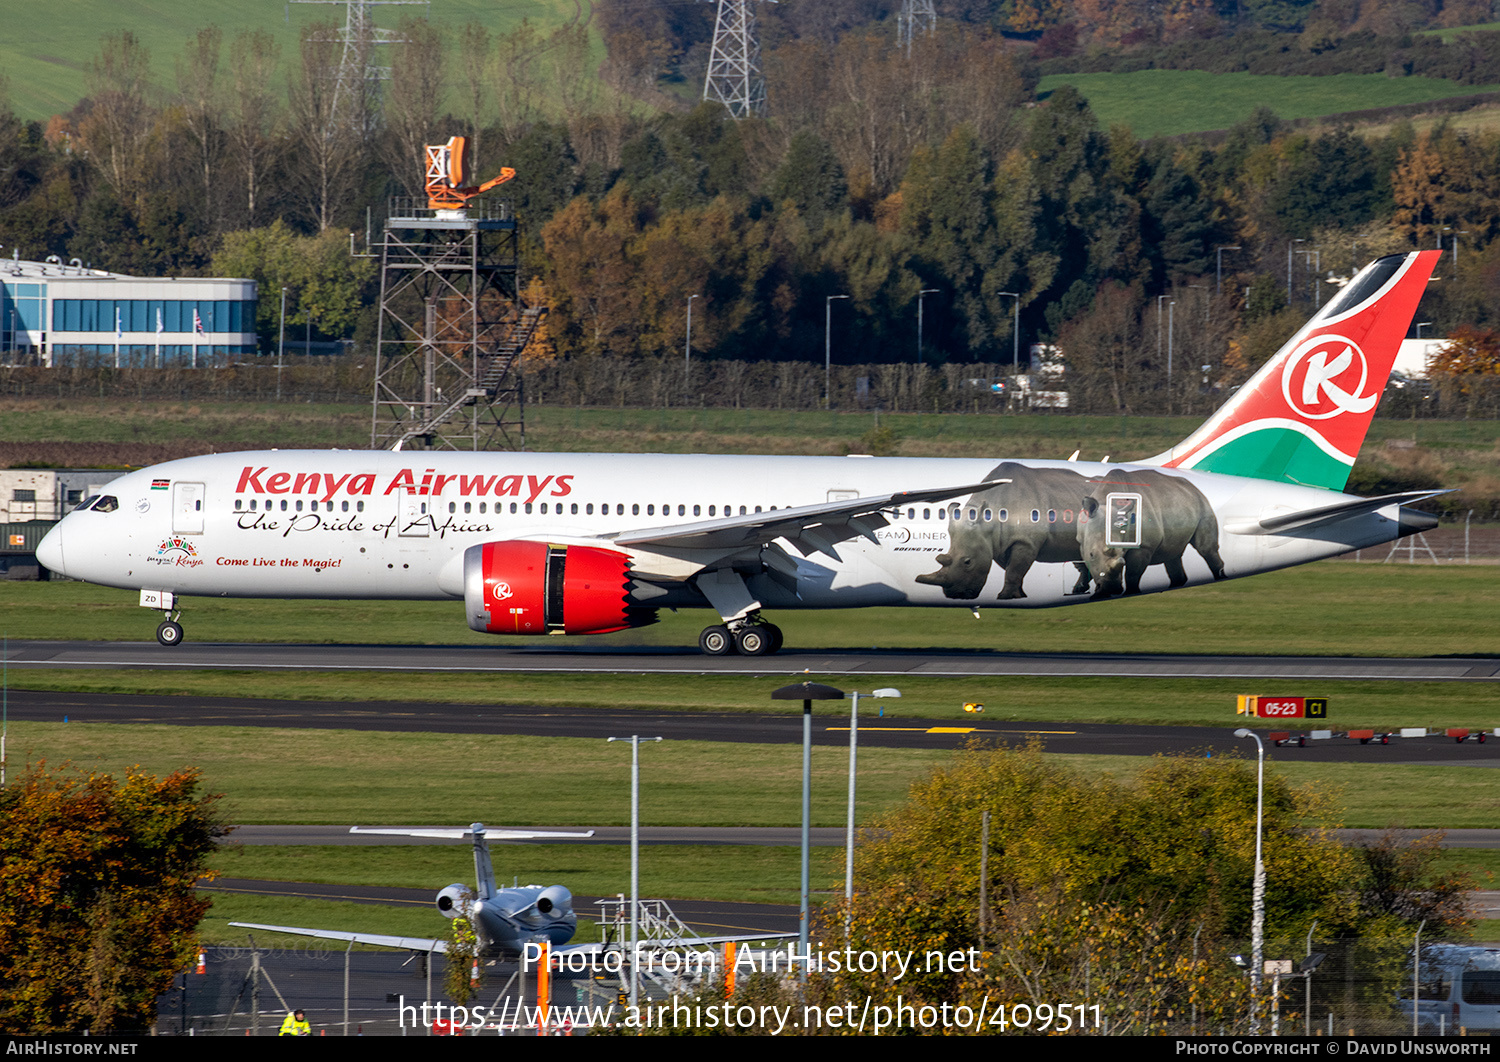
1303	416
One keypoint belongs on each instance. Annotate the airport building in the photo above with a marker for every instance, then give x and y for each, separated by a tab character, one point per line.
52	313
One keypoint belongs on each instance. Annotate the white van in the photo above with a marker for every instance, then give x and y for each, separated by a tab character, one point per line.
1458	990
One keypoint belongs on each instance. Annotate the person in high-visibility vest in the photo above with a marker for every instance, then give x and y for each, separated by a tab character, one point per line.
295	1025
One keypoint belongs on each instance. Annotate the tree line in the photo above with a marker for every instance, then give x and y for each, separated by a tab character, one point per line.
883	189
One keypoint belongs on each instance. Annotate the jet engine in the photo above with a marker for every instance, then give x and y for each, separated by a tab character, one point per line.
452	900
544	588
555	899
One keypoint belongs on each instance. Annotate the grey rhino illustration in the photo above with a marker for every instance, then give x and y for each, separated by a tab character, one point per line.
1172	515
1031	520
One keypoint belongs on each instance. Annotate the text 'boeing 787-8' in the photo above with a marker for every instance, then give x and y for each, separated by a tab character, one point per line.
594	543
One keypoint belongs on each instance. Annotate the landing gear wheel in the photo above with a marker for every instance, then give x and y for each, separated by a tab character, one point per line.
169	633
752	641
715	640
776	639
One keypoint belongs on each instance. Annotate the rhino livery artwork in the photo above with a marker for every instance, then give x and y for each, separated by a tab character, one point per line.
1121	522
574	544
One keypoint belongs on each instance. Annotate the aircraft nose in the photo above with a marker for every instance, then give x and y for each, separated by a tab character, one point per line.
49	551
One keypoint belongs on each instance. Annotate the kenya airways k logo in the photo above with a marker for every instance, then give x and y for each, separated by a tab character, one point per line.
1325	377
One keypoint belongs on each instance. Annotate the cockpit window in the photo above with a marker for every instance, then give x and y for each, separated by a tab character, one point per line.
107	504
87	503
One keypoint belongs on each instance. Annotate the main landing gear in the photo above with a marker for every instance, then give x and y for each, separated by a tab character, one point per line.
747	639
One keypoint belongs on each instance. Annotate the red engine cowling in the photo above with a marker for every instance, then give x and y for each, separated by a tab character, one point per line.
542	588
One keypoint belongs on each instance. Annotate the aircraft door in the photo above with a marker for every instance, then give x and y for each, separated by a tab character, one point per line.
1122	528
416	519
187	508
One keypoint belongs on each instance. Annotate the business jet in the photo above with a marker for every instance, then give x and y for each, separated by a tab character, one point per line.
504	920
569	544
507	922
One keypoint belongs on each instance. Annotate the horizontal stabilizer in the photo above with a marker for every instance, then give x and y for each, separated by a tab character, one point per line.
1325	514
458	834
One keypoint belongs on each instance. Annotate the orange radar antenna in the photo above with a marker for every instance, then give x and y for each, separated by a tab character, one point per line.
446	164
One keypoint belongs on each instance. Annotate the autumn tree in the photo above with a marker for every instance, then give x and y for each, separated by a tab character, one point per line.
97	902
1469	351
1134	891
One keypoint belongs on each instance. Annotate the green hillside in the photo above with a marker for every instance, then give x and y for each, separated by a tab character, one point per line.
45	52
1170	102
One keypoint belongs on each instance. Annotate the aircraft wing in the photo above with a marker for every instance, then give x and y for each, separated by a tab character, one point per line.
379	940
828	521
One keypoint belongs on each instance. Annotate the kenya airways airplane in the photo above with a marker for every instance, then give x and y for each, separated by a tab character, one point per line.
593	543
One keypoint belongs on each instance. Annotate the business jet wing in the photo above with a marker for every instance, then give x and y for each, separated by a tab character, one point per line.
827	521
379	940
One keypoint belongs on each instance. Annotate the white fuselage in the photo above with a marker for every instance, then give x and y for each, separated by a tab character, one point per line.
353	524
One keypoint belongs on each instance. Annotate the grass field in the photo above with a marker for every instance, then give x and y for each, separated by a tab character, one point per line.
46	52
1171	102
335	777
567	429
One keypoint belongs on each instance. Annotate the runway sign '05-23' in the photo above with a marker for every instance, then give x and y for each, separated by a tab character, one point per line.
1283	707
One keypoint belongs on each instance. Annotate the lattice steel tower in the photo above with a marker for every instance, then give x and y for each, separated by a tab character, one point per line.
917	18
452	323
734	78
354	94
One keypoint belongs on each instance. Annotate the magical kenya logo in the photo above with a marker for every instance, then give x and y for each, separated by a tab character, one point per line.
178	552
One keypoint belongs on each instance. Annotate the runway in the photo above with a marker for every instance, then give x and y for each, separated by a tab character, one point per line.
688	661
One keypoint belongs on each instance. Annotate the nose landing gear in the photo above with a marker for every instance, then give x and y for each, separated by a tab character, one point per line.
165	602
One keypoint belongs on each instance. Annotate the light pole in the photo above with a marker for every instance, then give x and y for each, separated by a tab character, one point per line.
920	294
1015	328
828	350
281	344
849	827
687	352
1456	235
1314	261
1421	325
1258	897
1289	248
806	692
1171	330
1219	273
635	859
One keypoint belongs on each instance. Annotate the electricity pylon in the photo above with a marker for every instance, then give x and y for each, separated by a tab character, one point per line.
734	78
917	19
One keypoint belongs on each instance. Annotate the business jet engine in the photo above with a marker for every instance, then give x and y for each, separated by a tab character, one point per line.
454	901
544	588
